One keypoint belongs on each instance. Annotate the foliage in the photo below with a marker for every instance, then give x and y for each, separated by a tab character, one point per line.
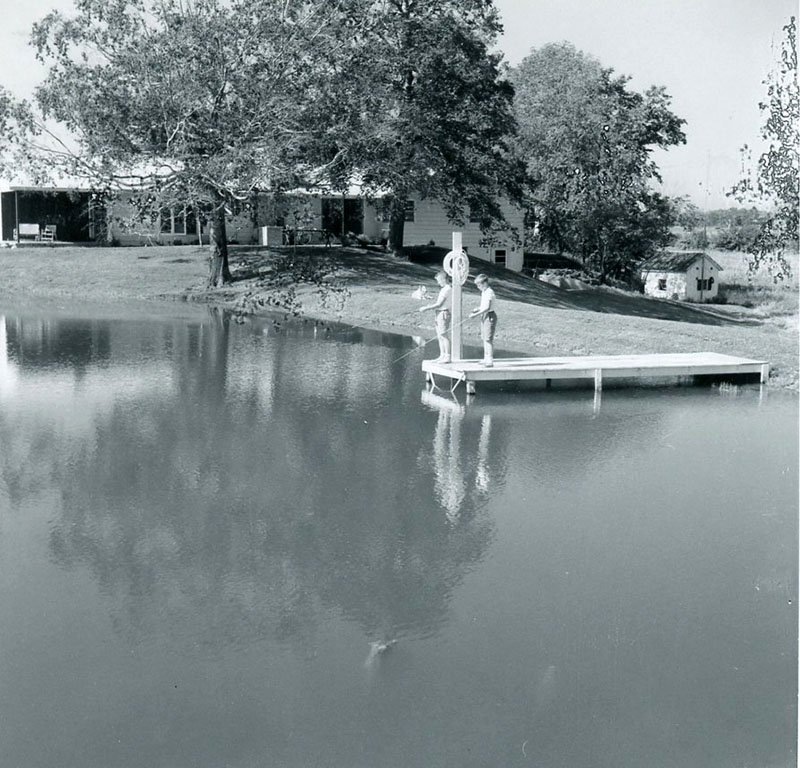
728	229
422	107
183	101
687	214
277	286
776	179
738	237
587	140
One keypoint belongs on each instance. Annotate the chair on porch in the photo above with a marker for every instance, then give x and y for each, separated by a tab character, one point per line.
49	233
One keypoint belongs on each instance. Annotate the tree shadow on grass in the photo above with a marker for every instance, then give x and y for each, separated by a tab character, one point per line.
366	267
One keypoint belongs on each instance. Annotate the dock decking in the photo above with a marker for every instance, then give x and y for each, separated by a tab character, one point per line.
596	367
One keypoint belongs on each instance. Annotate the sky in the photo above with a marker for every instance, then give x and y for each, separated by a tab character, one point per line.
711	55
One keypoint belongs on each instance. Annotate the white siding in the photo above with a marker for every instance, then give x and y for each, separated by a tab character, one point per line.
675	285
374	227
431	225
683	285
701	269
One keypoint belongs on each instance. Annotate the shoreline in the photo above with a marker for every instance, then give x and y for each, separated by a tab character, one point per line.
535	318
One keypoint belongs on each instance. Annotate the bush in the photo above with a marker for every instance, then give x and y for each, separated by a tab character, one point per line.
736	238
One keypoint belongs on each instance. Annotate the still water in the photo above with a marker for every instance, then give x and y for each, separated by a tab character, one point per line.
208	531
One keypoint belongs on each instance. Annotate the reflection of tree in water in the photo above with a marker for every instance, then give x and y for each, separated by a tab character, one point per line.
205	514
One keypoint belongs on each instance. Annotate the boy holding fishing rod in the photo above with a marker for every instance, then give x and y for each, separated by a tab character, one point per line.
442	317
488	318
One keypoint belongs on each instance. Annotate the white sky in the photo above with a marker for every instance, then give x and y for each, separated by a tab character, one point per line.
711	55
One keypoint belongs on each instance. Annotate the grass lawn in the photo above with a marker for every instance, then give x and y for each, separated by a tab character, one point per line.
534	317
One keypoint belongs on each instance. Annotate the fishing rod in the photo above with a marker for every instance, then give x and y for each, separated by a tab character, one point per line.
425	343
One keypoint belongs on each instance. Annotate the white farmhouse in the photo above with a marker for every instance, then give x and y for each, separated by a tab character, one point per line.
681	275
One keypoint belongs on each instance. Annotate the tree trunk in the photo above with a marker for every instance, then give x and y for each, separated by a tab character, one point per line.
603	260
397	223
218	260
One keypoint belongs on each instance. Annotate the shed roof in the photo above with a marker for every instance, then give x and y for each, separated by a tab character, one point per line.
675	261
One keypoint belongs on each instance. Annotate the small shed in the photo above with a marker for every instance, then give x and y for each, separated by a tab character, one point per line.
681	275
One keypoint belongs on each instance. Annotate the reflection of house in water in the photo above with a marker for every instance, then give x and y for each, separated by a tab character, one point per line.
44	342
8	370
463	467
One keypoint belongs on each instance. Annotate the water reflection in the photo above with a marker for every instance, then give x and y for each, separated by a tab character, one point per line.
305	561
461	470
229	496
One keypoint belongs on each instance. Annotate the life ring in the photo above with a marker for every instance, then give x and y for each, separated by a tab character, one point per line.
457	266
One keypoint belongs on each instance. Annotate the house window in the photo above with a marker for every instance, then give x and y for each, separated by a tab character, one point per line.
662	283
500	256
474	216
384	211
166	221
177	221
705	284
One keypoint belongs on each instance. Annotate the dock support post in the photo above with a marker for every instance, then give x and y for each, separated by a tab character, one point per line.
598	379
548	383
470	387
764	373
456	314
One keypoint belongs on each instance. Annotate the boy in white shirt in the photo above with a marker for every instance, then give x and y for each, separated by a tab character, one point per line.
488	318
442	308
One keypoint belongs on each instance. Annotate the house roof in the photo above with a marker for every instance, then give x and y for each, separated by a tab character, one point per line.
58	185
675	261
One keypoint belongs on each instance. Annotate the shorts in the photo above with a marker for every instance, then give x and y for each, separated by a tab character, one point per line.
488	325
442	321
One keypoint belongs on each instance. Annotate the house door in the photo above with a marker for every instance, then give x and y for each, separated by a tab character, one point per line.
334	216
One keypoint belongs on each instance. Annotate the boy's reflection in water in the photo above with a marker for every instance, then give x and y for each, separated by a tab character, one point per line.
451	468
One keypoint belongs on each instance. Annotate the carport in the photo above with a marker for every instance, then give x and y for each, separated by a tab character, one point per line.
36	213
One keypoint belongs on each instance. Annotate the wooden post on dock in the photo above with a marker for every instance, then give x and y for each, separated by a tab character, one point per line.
456	264
456	312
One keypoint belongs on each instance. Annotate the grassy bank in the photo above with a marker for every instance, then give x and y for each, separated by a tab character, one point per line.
535	317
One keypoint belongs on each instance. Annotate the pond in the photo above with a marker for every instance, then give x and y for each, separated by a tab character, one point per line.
267	544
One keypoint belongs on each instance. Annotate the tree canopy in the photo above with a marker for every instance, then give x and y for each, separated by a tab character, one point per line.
425	108
186	102
587	141
776	179
200	102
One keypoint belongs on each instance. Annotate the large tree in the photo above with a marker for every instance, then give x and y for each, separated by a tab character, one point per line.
776	179
587	140
424	109
185	102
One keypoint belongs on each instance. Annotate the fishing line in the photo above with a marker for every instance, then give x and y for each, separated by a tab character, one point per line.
425	343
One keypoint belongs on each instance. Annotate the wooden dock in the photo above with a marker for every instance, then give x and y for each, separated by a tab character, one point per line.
594	367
